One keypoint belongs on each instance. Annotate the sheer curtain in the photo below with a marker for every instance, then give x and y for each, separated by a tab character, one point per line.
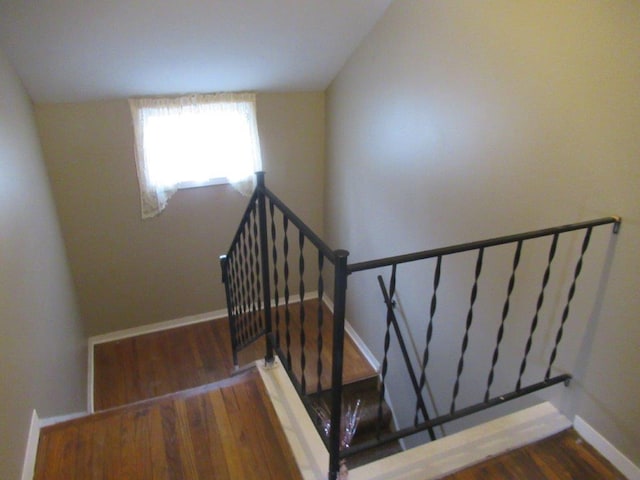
194	139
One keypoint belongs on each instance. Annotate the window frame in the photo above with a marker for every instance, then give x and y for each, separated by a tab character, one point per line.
155	193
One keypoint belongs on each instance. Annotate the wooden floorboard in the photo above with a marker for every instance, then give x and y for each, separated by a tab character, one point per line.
223	433
160	363
230	430
560	457
355	365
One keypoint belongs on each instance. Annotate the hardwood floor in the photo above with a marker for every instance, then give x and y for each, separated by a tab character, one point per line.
355	365
155	364
164	362
560	457
229	429
223	433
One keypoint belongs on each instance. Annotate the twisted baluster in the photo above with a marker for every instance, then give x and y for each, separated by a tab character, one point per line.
534	321
572	291
505	312
244	280
425	355
303	337
255	273
274	256
287	313
465	340
387	342
319	342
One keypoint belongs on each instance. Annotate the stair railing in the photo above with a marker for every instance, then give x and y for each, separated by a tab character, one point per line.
264	274
422	420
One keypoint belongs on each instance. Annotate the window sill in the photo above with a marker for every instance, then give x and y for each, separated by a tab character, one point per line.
206	183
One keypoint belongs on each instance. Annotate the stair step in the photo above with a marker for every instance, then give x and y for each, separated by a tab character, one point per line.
367	391
244	376
374	454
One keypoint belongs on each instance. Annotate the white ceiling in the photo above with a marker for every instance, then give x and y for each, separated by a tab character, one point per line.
80	50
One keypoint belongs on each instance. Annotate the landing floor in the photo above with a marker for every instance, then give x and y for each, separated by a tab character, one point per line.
560	457
169	361
205	433
229	432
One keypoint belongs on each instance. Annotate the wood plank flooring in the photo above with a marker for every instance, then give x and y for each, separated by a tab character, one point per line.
224	433
560	457
147	366
229	430
155	364
355	365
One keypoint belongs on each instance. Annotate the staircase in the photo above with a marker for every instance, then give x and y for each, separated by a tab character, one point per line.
222	430
168	389
368	393
226	430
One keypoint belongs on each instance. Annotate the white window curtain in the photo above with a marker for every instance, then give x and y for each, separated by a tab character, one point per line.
194	139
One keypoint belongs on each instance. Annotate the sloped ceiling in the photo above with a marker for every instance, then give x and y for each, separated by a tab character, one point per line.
80	50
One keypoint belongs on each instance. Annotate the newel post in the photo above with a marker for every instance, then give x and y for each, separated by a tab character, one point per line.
264	265
339	307
224	265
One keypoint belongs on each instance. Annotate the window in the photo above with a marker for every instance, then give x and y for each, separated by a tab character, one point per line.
191	141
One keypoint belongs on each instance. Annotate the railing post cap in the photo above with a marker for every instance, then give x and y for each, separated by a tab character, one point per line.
617	222
340	253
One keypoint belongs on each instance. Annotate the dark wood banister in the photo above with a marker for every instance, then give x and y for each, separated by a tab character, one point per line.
492	242
342	269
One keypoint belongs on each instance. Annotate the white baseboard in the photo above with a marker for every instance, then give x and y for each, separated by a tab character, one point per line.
176	323
306	445
203	317
141	330
364	349
368	355
158	327
439	458
608	451
426	462
31	451
33	439
90	367
468	447
47	422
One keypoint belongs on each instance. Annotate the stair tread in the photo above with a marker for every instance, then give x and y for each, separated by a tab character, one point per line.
246	375
375	453
366	390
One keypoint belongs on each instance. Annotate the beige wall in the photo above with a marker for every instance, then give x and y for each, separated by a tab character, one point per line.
130	272
456	121
42	346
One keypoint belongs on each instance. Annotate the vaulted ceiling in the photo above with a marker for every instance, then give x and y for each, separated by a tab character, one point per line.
80	50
